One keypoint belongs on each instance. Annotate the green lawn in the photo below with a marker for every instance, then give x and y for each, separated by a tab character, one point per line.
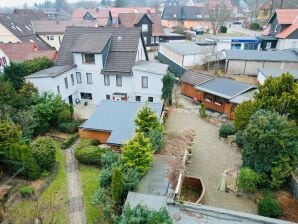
89	179
55	197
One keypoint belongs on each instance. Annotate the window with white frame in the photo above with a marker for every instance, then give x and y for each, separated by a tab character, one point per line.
51	37
138	98
145	39
108	97
150	99
79	77
58	90
144	81
66	83
118	80
107	80
72	79
144	27
88	58
86	96
89	78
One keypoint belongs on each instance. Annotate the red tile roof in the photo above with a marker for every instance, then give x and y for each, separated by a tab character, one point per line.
132	19
286	16
288	31
266	31
101	15
18	52
116	11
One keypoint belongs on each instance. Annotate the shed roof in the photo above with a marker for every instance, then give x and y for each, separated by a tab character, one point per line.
225	88
51	72
186	48
118	118
151	67
255	55
285	16
244	96
278	72
91	43
195	78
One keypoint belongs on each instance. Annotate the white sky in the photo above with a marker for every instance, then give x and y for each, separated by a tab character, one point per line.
19	3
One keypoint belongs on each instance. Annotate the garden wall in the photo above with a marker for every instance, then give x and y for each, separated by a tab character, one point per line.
294	185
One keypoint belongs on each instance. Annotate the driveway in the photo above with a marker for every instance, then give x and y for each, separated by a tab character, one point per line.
211	157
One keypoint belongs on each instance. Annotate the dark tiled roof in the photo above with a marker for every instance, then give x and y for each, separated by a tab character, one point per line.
171	12
194	78
122	52
87	42
193	13
19	23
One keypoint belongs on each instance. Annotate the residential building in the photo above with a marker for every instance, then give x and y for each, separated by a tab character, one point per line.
235	43
265	11
117	11
52	32
248	62
282	30
171	16
264	73
16	27
103	17
109	127
150	25
167	3
57	15
19	52
98	63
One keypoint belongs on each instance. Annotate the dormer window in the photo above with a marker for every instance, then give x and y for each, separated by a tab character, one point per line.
276	29
88	58
144	27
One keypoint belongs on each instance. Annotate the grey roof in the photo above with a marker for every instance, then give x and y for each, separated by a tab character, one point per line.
118	118
244	96
195	78
186	48
91	43
51	72
193	13
151	67
122	52
255	55
278	72
231	38
171	13
226	88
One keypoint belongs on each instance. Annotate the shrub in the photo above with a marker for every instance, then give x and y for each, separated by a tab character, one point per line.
69	141
239	139
223	29
248	180
254	26
226	129
109	158
242	114
26	191
105	177
131	178
69	126
156	139
141	214
202	110
94	142
90	155
44	152
269	207
117	187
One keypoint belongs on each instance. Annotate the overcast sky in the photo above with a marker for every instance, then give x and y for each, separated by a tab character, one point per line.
19	3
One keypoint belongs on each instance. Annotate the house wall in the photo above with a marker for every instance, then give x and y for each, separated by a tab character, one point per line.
4	60
56	42
192	60
177	58
188	90
141	55
148	35
223	45
197	24
101	136
235	67
7	37
251	67
261	78
283	44
170	23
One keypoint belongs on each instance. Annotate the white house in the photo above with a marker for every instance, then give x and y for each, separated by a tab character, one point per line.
97	64
264	73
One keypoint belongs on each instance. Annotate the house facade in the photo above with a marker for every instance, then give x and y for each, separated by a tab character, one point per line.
97	64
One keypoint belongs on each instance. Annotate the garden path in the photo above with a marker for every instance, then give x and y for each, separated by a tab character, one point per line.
76	210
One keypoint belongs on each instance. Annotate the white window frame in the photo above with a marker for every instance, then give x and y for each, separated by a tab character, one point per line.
89	78
66	83
84	59
145	28
118	80
106	80
72	79
78	77
145	83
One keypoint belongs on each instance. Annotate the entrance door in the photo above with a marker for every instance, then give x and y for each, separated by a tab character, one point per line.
70	100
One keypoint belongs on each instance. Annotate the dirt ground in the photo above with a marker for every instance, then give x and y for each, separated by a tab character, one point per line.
289	206
211	157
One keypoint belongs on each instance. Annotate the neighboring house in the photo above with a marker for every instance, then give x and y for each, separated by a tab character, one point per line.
57	15
265	11
191	17
19	52
218	94
52	32
189	80
103	17
235	43
113	122
117	11
150	25
98	63
16	27
248	62
264	73
185	54
282	30
167	3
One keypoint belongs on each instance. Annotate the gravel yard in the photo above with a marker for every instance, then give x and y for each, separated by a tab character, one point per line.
211	157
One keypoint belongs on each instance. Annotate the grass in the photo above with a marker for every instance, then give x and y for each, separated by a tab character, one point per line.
54	198
89	179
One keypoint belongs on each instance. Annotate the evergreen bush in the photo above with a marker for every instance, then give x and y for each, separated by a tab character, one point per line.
226	129
248	180
269	207
26	191
89	155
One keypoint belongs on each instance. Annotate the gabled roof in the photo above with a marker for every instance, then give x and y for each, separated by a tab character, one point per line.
193	13
171	13
18	52
266	32
102	16
122	52
93	43
285	16
195	78
255	55
116	11
288	31
278	72
225	88
151	67
132	19
118	118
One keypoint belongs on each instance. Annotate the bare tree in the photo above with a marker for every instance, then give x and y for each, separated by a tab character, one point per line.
218	15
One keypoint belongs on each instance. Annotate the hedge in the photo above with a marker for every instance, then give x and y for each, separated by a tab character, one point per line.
69	141
90	155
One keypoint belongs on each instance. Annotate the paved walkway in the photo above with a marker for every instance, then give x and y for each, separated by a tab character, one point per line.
76	211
